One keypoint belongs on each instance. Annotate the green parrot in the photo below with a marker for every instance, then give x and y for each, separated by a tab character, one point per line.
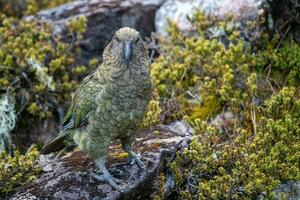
109	104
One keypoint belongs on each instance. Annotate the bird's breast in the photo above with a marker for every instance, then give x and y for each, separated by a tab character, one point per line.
123	102
132	96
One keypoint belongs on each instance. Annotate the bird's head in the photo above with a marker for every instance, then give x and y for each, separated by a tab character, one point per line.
126	47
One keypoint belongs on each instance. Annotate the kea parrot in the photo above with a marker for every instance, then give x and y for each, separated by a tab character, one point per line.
109	104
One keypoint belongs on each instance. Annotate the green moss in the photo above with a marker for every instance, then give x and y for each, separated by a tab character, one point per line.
209	108
17	170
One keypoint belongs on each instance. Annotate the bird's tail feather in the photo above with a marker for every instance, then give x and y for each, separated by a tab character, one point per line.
57	143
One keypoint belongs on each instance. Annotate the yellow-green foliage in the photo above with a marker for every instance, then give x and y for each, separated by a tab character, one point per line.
286	64
210	107
153	114
198	66
251	162
38	70
256	150
17	170
41	67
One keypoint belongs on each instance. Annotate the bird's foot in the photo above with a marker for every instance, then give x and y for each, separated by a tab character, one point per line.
136	159
108	178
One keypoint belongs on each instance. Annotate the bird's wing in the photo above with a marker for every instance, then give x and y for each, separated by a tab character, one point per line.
83	103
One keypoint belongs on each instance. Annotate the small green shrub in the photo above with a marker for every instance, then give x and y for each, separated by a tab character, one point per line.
42	68
249	162
287	63
153	114
203	74
17	170
256	150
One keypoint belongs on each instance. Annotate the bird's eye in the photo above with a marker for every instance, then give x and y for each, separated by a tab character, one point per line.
117	39
137	40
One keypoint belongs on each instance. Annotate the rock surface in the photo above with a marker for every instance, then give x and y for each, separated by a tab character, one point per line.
178	10
290	189
70	177
104	17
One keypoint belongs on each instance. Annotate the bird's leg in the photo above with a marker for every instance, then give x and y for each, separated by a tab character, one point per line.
106	176
133	157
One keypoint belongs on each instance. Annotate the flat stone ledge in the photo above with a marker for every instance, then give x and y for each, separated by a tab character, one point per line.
70	177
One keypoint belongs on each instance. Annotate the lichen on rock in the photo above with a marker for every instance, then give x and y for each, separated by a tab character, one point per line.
7	121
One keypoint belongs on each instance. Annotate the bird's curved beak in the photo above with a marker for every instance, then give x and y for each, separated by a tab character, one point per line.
127	51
